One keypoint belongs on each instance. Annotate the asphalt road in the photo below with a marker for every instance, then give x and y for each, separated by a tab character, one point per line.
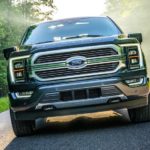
100	131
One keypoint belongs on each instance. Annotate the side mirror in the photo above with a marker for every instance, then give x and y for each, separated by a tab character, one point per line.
8	51
138	36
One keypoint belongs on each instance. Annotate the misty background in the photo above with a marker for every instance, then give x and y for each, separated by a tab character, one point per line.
16	15
133	16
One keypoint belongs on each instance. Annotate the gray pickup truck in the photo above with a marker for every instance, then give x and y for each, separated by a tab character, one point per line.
76	66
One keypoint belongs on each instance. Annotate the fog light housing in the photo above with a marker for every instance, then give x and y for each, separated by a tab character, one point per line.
135	82
26	94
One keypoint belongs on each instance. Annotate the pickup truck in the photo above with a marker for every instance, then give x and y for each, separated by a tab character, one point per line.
75	66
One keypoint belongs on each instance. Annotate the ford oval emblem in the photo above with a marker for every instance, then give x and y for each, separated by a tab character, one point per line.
76	62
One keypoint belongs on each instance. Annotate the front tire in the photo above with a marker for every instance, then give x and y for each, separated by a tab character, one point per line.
141	114
22	127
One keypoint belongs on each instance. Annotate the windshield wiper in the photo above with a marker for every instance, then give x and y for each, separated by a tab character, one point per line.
82	36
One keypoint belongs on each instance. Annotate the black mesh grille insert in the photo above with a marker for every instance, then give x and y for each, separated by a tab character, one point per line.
89	93
95	92
64	56
80	94
69	72
66	96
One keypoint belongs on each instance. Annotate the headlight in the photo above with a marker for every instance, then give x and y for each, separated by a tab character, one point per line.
134	55
132	51
19	75
134	61
19	64
18	68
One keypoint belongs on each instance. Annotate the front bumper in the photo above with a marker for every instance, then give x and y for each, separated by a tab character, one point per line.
32	115
44	101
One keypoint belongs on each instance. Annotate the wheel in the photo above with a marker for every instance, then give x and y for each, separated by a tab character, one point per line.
141	114
22	128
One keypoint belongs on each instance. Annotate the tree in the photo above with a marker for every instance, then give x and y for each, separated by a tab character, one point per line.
15	16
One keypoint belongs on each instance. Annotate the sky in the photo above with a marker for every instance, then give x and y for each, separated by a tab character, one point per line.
76	8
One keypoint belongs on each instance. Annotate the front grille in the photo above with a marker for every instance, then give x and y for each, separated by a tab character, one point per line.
98	68
89	93
63	56
54	65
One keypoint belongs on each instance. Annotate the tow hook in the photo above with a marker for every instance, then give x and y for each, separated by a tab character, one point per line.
48	107
114	100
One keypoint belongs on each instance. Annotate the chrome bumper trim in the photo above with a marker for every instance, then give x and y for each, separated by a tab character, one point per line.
80	103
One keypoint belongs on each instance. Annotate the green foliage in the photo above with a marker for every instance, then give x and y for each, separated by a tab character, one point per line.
4	104
15	16
45	13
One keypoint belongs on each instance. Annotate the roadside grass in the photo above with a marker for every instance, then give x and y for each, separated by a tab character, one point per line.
4	104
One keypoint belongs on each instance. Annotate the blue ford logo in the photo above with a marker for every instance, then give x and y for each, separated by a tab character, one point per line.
76	62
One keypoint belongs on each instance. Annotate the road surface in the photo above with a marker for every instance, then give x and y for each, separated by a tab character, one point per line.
100	131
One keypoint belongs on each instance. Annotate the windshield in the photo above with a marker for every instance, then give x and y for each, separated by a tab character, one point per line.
69	29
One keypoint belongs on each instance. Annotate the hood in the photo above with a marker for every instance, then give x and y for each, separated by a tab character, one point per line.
73	43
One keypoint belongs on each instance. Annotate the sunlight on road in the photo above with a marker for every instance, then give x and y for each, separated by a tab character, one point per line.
106	114
7	135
